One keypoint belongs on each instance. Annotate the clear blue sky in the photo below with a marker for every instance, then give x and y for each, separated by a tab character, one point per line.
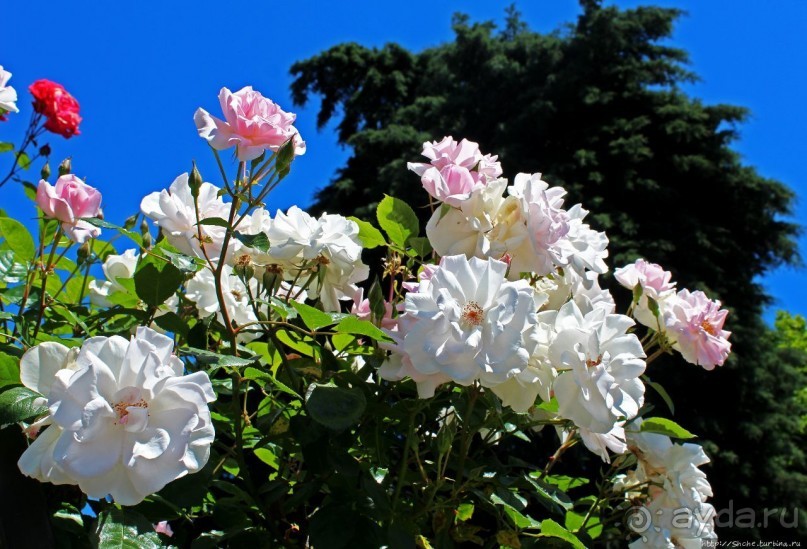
140	70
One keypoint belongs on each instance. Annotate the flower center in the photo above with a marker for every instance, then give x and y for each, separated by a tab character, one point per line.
472	314
123	414
708	328
237	295
591	363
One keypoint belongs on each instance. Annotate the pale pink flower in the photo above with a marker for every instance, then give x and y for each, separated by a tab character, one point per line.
68	201
652	277
163	527
695	325
361	308
455	169
425	275
253	123
655	283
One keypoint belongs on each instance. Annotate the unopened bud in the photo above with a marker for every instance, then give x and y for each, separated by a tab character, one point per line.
65	167
195	181
44	150
272	278
144	231
45	173
84	252
130	222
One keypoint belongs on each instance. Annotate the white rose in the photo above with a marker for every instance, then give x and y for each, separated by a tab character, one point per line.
126	421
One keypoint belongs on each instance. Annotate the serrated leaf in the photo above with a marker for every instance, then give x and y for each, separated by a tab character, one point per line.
258	241
260	375
18	404
125	529
17	239
214	221
369	236
665	426
154	285
171	322
517	517
335	407
9	370
551	529
563	482
96	222
268	457
312	317
421	245
23	160
465	511
11	272
352	325
216	359
398	220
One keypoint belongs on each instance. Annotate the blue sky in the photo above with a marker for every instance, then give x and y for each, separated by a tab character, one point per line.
140	70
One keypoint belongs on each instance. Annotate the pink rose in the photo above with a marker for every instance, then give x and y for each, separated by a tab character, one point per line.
695	324
69	201
653	279
455	169
252	124
163	527
361	308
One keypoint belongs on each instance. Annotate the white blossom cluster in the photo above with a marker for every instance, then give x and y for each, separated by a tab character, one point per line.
667	477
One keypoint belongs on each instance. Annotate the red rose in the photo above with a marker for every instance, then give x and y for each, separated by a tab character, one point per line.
59	107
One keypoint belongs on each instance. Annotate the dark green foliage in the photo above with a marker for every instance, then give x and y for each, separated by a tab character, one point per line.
598	108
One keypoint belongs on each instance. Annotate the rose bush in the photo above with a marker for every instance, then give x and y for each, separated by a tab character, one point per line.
240	378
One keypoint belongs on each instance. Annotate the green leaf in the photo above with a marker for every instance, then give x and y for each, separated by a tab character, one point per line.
465	511
550	496
563	482
260	375
313	318
398	220
551	529
171	322
574	521
154	285
258	241
214	221
216	359
352	325
17	239
421	245
662	393
665	427
125	529
335	407
370	236
268	457
517	517
6	147
107	225
18	404
9	370
11	272
23	160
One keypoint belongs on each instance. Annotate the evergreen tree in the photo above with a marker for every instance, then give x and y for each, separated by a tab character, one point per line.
598	107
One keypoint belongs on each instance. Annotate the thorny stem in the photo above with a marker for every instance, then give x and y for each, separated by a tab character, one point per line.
571	441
